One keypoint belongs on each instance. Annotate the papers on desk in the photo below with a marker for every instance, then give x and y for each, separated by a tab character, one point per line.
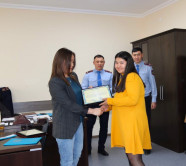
49	114
22	141
8	119
7	137
33	117
29	115
12	128
36	118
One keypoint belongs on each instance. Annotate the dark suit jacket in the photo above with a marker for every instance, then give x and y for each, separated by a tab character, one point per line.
66	112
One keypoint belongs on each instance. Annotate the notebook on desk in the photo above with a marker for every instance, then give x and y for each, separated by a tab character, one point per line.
22	141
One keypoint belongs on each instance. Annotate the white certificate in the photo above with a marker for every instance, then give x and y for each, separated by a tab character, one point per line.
31	132
96	95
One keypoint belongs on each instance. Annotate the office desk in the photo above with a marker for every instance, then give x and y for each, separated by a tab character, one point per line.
50	149
24	155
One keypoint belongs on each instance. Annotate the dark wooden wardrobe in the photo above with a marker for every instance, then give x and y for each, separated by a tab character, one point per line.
167	53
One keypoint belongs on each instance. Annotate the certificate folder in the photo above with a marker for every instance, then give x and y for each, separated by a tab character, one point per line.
30	133
22	141
95	95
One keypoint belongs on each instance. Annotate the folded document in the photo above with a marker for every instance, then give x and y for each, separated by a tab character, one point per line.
22	141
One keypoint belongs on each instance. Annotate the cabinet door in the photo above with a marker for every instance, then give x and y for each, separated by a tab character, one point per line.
181	68
158	115
144	47
166	126
165	119
171	128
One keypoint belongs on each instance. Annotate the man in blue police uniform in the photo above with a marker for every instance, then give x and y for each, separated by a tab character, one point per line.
145	71
94	78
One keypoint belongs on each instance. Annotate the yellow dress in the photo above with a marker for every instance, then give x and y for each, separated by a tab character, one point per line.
129	128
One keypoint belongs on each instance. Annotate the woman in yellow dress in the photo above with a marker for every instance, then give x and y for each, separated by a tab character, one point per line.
129	120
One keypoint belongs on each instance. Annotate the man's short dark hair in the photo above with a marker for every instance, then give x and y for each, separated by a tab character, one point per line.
98	56
135	49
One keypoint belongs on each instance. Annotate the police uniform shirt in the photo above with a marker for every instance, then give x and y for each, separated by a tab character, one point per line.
145	72
90	79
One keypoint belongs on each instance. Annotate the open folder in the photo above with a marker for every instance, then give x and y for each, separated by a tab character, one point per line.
30	133
22	141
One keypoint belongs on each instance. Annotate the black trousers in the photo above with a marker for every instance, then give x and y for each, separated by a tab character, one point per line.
103	120
148	108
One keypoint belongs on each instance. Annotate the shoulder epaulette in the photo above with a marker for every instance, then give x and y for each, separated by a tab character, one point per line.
89	71
148	64
108	71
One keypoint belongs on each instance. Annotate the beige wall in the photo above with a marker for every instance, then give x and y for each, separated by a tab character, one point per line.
29	40
165	19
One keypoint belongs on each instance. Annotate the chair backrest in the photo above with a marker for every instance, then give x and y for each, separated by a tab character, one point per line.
6	99
5	113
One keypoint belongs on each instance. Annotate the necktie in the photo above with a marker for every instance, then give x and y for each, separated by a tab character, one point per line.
99	79
137	68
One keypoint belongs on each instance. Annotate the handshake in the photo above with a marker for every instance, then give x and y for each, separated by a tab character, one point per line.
99	111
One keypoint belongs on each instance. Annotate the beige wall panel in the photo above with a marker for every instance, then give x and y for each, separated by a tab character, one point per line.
165	19
30	38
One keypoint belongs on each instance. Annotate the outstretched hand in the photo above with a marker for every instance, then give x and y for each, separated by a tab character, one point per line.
97	111
104	103
104	108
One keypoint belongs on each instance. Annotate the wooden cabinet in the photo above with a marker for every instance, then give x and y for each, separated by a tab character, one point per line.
167	54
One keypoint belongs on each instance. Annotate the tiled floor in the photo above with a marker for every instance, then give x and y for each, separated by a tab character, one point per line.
159	157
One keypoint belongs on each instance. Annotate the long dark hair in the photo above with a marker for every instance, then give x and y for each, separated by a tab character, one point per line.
117	85
62	63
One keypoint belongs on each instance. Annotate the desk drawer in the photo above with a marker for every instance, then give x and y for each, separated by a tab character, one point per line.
24	158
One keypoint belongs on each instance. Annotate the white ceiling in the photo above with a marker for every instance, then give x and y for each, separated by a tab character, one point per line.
136	8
